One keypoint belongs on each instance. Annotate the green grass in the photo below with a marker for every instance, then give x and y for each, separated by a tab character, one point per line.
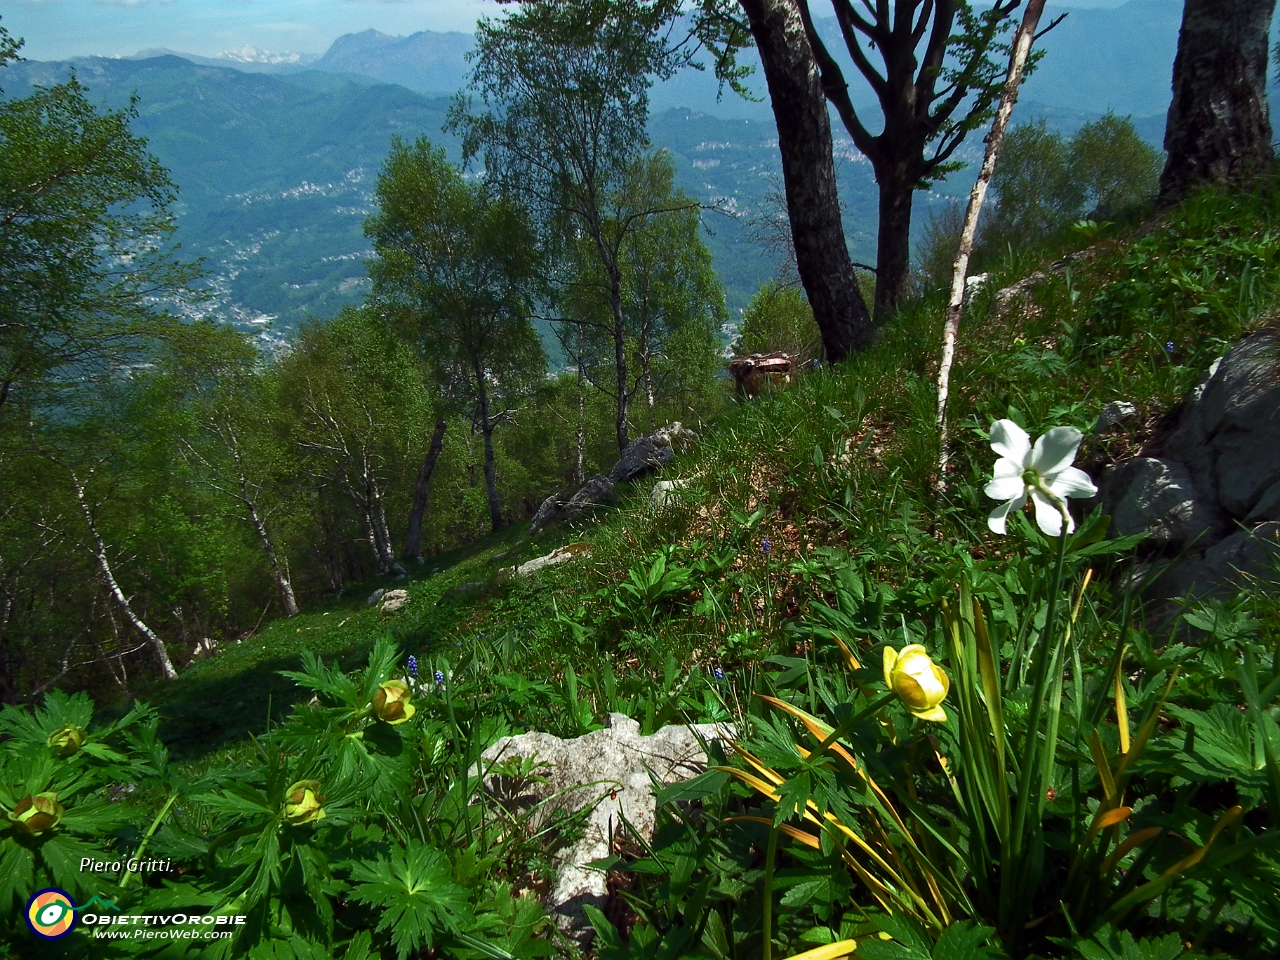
846	459
838	475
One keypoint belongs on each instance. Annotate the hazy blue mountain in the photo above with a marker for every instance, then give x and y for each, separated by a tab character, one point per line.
275	173
1097	59
430	63
276	162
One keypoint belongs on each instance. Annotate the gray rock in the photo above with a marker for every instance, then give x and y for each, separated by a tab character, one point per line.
463	591
557	556
556	509
666	492
676	435
607	772
1229	433
1267	507
394	600
1114	414
375	596
649	453
594	492
1158	497
640	457
1226	566
551	511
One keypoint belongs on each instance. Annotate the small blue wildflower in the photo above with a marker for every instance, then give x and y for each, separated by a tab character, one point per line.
719	674
1168	348
413	666
439	678
766	546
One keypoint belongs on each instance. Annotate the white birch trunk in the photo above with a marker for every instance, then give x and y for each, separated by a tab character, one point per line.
995	139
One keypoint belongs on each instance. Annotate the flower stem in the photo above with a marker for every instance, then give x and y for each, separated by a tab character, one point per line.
769	859
1045	657
852	722
155	825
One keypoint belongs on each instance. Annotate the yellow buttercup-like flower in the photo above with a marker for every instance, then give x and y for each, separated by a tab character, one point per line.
66	740
303	803
919	683
34	815
391	702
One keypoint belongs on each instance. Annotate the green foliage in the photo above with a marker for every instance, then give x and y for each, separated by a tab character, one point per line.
380	864
778	318
80	196
457	271
1045	181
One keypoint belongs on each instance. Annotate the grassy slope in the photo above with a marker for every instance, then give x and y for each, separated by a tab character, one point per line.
1087	335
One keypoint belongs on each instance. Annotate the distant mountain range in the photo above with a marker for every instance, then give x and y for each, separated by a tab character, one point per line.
1096	59
276	156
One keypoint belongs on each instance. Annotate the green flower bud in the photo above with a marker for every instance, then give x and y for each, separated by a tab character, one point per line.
302	803
34	815
391	702
67	739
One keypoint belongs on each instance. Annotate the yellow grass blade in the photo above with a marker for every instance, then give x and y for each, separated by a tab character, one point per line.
1104	819
1104	768
1224	821
1134	839
1122	710
850	660
832	951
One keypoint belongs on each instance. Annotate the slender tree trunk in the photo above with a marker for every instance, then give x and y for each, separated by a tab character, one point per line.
413	541
1022	41
384	534
646	371
893	240
104	565
259	525
277	571
375	514
619	355
1218	130
490	468
808	172
579	474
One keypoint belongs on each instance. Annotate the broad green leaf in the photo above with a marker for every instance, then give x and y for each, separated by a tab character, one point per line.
416	892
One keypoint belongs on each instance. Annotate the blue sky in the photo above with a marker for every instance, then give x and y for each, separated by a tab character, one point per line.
57	29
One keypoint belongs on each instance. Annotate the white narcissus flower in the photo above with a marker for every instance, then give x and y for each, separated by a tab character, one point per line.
1043	472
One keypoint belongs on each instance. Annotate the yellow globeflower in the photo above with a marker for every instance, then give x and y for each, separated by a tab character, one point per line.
34	815
303	803
919	683
391	702
66	740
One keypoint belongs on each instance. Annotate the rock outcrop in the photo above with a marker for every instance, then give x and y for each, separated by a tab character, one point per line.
640	457
606	772
559	555
1210	497
394	600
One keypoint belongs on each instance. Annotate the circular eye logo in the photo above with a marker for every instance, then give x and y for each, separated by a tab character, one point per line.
51	913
